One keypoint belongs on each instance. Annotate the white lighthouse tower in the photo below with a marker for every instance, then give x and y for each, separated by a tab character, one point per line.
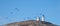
43	18
38	23
38	18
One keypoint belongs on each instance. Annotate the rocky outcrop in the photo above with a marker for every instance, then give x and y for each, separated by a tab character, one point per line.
30	23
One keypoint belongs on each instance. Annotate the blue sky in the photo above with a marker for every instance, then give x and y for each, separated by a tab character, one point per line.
21	10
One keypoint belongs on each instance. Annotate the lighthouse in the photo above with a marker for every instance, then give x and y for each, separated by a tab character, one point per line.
38	22
43	18
38	18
